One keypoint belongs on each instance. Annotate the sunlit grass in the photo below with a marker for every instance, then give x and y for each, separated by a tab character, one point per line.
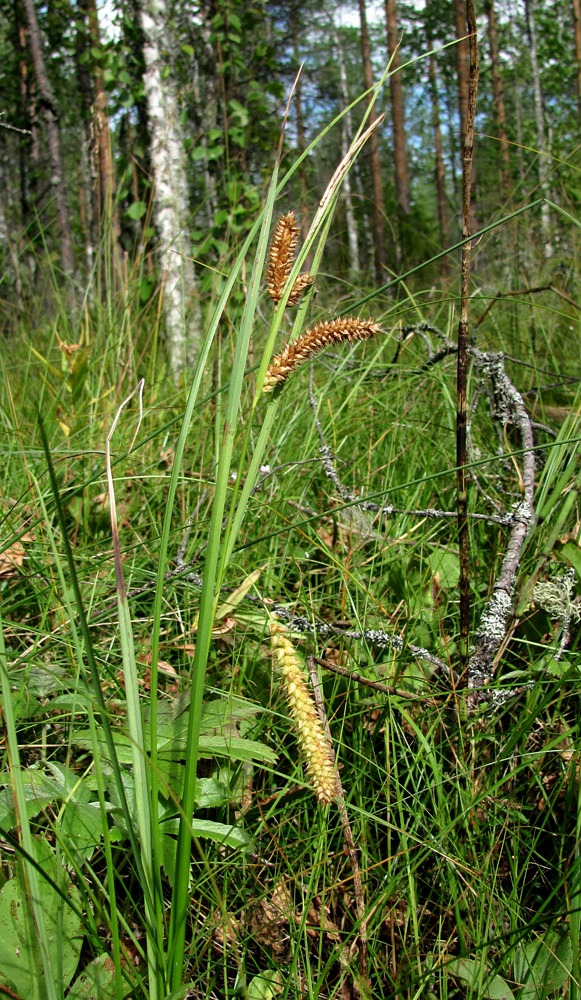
466	822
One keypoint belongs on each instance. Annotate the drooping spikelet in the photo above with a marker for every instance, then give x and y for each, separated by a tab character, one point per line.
282	255
322	335
310	734
300	286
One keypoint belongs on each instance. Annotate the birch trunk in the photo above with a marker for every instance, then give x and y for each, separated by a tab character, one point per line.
346	137
183	328
440	171
540	127
378	226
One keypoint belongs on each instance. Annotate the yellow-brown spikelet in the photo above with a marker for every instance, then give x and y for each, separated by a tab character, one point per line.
310	733
282	255
300	286
335	331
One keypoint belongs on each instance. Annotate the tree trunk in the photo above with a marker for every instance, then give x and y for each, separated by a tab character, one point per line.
577	23
301	141
346	137
498	99
106	203
400	157
463	83
170	192
462	64
378	227
24	120
50	112
106	207
441	198
540	127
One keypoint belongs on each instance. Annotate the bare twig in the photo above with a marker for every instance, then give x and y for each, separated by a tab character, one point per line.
357	678
508	407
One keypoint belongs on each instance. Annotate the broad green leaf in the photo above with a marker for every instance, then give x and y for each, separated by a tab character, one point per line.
97	982
542	966
470	972
570	552
265	986
231	836
136	211
82	829
20	960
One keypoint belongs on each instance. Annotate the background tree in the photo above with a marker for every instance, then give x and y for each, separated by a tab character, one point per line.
498	98
170	190
374	157
221	72
577	32
50	114
400	158
540	128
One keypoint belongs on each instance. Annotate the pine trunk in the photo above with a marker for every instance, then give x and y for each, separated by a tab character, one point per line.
378	227
462	64
24	118
400	157
300	123
498	99
577	26
170	192
50	113
463	83
106	169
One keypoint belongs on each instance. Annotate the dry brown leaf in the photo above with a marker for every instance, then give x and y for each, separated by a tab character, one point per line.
11	559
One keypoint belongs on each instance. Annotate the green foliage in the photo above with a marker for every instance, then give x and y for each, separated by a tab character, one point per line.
20	960
140	725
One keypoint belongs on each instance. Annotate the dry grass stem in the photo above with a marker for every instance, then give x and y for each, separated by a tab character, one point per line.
322	335
311	736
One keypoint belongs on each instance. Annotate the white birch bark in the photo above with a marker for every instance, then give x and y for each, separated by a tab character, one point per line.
541	134
346	137
182	316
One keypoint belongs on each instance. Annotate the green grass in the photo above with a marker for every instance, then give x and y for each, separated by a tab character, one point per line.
154	809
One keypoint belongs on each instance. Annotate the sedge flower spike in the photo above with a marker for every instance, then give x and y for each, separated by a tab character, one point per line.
335	331
311	736
281	259
282	255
